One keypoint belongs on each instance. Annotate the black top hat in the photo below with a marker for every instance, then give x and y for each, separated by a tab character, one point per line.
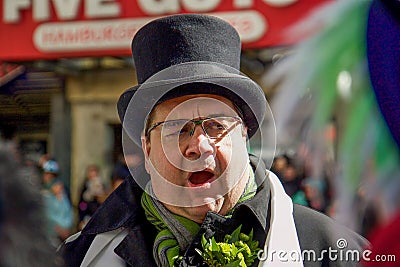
188	54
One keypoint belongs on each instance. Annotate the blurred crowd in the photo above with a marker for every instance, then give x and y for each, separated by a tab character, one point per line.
25	239
60	216
66	218
318	192
314	192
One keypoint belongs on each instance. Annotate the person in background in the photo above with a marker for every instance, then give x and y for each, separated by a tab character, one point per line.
289	175
122	166
119	172
24	239
58	206
93	193
291	179
314	192
279	165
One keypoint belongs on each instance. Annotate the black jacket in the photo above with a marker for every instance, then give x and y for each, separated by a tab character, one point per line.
316	232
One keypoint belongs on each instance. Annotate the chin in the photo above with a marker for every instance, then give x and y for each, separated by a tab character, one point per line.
198	213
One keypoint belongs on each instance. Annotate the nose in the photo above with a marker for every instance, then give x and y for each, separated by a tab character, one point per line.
198	144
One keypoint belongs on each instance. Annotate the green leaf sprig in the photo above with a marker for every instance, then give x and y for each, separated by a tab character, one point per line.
237	250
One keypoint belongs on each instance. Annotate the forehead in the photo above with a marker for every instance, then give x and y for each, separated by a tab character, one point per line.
193	106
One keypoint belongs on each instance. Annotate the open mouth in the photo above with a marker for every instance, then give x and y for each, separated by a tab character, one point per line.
200	178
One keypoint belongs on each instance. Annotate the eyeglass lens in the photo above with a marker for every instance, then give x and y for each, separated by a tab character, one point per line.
213	127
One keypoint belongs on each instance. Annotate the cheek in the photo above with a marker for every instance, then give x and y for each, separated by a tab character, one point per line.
233	147
232	155
223	156
161	164
157	159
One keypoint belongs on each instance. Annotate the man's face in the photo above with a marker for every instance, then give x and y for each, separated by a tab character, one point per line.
204	165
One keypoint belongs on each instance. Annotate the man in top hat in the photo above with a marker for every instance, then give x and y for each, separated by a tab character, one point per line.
192	113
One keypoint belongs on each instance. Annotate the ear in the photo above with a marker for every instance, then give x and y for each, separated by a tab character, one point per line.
146	152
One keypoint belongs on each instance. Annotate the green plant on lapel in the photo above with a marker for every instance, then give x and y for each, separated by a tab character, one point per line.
236	250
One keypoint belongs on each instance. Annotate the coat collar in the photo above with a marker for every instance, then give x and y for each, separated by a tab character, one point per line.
259	204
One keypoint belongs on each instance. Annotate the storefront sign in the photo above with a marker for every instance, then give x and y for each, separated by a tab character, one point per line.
47	29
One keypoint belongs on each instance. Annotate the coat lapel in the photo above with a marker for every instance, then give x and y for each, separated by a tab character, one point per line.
100	242
136	247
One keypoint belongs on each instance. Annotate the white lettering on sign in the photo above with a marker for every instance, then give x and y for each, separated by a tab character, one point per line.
86	36
64	9
69	9
280	3
157	7
117	34
251	25
11	9
200	5
102	8
160	7
41	10
242	3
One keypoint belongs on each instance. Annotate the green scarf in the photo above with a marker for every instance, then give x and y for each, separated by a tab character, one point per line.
175	233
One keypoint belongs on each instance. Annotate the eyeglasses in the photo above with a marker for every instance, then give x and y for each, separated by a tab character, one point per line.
214	128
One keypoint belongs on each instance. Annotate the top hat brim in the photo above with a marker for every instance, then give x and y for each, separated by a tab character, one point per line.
191	78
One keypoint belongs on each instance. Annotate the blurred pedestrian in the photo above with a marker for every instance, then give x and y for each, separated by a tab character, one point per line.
279	165
92	194
119	172
314	192
290	179
24	240
57	204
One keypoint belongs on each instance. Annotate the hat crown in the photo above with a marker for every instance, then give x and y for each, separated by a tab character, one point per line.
184	38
